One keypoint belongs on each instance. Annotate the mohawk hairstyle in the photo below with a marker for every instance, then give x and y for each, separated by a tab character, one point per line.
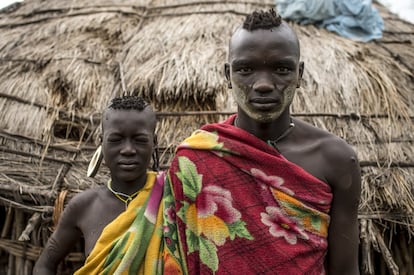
128	103
262	20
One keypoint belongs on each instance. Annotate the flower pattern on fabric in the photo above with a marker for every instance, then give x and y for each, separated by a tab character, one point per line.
213	214
170	214
281	226
169	217
273	181
215	200
312	220
173	260
202	140
171	266
209	215
199	165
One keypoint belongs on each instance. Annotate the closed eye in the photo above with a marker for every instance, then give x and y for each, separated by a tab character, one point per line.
114	140
141	140
243	70
283	70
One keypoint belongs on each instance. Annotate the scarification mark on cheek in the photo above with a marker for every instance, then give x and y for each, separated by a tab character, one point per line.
281	87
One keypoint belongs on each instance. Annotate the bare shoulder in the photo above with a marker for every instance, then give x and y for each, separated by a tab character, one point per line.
82	200
339	158
332	145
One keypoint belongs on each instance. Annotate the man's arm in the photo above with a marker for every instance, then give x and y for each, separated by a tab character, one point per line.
343	235
62	240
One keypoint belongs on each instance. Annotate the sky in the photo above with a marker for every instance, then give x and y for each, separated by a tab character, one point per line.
404	8
4	3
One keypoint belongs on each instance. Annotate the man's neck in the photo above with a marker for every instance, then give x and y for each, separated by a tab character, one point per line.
127	187
265	131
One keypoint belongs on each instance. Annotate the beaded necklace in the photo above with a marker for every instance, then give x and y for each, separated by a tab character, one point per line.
128	199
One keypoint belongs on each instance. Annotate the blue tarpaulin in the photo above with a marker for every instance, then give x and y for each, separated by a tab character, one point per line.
354	19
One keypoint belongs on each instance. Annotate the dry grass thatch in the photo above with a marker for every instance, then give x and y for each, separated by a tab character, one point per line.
62	61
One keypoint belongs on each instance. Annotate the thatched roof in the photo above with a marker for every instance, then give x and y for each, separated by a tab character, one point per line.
62	61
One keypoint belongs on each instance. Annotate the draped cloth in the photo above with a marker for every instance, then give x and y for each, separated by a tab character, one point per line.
131	243
355	19
234	205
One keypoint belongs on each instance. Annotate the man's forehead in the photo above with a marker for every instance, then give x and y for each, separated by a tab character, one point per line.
141	120
264	43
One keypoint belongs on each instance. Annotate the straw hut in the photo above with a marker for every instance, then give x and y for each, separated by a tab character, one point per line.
62	61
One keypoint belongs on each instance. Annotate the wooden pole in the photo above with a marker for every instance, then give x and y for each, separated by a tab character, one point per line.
7	223
19	261
11	268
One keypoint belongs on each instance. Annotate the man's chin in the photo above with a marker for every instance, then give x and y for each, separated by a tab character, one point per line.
263	117
131	176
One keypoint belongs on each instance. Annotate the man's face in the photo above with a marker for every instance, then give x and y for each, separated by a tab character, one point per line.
128	140
264	70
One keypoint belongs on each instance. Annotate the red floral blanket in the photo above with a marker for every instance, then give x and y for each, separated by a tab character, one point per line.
234	205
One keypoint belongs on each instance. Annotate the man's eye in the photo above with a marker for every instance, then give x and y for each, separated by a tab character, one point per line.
283	70
244	70
113	140
141	140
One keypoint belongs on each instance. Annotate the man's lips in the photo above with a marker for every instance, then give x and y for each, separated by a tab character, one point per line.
263	100
128	164
264	103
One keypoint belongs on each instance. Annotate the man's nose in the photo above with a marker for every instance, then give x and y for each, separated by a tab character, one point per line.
264	83
128	148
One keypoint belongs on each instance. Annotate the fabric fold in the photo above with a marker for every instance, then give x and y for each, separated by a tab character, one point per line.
353	19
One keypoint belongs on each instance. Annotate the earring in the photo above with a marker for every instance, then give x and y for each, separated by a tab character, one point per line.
95	162
229	85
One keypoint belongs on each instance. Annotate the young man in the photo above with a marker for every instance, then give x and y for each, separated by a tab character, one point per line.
117	220
262	192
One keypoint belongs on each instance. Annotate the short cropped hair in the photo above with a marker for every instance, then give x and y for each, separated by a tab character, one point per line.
128	103
262	20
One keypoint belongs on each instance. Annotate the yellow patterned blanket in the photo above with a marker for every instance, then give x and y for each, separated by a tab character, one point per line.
131	243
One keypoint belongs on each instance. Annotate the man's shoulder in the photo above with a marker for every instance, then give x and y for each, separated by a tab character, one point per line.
90	193
339	157
328	142
86	197
78	206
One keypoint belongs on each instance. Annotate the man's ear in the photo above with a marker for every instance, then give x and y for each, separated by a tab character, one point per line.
301	69
227	74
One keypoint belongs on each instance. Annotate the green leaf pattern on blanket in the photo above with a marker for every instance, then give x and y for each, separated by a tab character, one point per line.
189	178
208	253
239	229
129	249
116	254
201	236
